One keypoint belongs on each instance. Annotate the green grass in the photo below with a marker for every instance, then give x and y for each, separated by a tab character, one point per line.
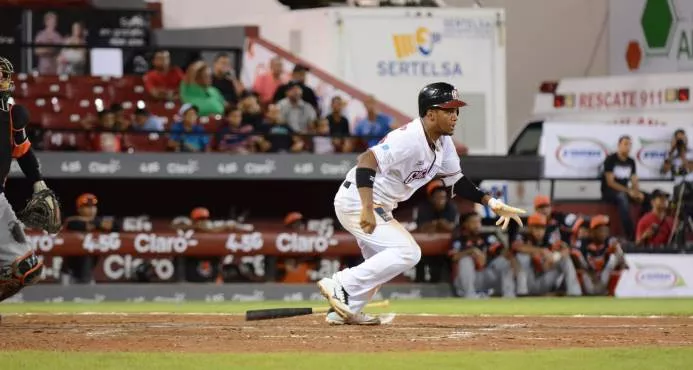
570	359
524	306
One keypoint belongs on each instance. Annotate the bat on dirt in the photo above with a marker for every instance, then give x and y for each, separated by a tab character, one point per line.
278	313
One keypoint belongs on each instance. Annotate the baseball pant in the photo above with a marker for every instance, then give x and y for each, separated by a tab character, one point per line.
528	282
497	276
602	277
389	251
13	243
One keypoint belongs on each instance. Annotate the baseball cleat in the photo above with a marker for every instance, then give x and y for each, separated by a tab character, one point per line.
359	319
335	294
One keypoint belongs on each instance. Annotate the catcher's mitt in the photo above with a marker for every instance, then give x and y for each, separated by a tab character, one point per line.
42	212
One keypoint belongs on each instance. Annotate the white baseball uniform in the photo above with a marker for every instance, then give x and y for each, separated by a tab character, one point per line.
406	162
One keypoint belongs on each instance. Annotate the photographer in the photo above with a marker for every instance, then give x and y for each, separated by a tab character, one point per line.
654	228
619	171
678	161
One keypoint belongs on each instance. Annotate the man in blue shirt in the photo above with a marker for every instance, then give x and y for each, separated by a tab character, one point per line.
376	125
187	135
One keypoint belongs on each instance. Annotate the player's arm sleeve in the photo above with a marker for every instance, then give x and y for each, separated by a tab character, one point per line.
450	169
391	152
22	146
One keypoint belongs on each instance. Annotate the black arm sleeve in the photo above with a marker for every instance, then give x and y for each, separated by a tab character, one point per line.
467	190
30	166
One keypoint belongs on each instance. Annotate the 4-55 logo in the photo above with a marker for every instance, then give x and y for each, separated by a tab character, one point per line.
101	243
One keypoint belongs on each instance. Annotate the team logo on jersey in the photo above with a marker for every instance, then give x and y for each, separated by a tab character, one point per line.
415	175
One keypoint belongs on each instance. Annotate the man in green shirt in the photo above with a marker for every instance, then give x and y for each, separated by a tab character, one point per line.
199	91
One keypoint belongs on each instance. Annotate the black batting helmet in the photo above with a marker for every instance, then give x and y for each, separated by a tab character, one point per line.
440	95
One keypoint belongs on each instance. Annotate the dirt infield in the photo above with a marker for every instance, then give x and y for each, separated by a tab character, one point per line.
226	333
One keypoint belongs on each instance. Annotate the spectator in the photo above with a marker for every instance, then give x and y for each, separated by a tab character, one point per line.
72	61
323	144
187	135
232	137
145	121
339	126
225	79
299	76
375	125
279	136
680	156
197	89
163	81
86	220
294	221
47	61
655	227
122	121
437	213
266	84
295	112
619	171
106	140
252	112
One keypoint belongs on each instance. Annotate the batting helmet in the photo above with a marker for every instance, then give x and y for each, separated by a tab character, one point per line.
438	95
6	84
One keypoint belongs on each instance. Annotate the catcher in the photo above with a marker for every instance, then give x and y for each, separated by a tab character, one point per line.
19	266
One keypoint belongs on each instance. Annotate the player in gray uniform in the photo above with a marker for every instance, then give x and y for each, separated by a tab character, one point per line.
482	263
543	266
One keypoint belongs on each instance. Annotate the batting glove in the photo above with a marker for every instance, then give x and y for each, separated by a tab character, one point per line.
505	213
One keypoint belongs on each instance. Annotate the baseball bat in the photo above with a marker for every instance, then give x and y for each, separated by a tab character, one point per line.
278	313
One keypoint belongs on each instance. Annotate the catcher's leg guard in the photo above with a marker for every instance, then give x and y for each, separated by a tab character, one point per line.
19	266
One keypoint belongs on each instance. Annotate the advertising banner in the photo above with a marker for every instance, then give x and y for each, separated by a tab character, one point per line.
656	275
393	57
646	100
573	150
650	36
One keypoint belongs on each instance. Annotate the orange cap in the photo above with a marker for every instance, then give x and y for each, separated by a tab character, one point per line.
86	199
536	219
541	200
292	217
599	220
199	213
433	185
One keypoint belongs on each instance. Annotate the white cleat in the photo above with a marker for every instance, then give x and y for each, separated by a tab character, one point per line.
359	319
338	298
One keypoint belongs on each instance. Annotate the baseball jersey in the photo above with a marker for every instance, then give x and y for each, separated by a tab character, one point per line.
597	254
489	244
406	162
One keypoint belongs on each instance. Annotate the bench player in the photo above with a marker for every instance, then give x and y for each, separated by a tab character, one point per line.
19	266
388	173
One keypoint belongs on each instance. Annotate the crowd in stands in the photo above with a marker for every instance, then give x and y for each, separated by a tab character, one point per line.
201	108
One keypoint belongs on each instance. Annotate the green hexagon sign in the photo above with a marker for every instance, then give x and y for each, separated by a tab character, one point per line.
657	23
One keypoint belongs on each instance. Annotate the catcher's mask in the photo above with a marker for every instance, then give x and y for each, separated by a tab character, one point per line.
6	84
24	271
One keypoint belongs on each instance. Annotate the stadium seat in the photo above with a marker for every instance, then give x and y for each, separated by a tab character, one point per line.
65	141
60	120
42	90
161	109
146	142
37	108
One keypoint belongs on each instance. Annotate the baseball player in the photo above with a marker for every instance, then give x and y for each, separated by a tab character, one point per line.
543	266
600	258
481	264
19	266
388	173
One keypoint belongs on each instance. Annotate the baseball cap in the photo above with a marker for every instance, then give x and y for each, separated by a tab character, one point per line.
599	220
659	193
433	186
199	213
87	199
541	201
292	217
186	107
536	219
